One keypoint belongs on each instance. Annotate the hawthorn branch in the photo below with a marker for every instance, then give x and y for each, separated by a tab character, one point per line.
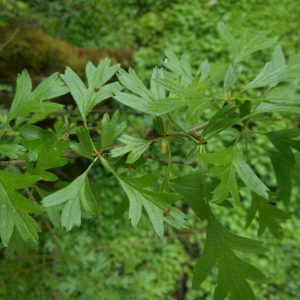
192	131
71	154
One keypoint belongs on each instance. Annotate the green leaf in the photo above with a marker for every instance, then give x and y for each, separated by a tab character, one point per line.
45	147
233	272
281	99
228	184
179	66
165	106
6	216
154	203
142	96
159	125
204	70
249	177
283	167
147	180
284	107
12	150
225	172
50	88
285	141
134	84
273	71
268	215
26	101
22	95
157	91
97	91
196	191
180	95
134	146
18	181
154	100
111	129
220	158
135	102
85	147
231	77
223	119
194	90
14	212
74	197
227	36
246	45
283	160
97	76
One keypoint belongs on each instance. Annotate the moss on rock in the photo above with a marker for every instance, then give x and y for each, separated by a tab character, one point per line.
42	54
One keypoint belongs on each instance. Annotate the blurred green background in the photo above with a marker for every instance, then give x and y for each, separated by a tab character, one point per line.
106	258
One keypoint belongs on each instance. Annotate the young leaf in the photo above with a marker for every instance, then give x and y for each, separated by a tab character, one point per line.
157	91
204	70
74	197
180	95
142	96
134	84
85	147
224	118
97	91
133	101
12	150
225	172
26	101
194	90
134	146
14	212
111	129
228	184
221	158
45	147
231	77
179	66
168	105
246	45
272	73
18	181
249	177
6	216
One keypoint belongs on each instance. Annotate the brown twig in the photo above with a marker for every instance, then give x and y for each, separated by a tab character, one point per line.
191	131
72	154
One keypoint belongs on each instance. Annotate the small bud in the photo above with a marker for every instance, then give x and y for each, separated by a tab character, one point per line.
164	146
167	212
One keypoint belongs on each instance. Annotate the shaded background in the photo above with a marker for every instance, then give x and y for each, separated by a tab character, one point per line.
106	258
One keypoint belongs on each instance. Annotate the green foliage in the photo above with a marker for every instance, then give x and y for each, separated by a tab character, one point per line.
16	209
74	197
97	91
223	114
26	101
